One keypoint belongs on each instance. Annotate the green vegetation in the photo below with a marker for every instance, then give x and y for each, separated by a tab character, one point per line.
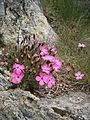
71	20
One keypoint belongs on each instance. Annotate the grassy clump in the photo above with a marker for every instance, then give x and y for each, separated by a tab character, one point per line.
71	20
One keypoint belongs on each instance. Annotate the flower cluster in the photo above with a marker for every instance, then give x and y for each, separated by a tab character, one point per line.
37	64
40	63
17	74
50	64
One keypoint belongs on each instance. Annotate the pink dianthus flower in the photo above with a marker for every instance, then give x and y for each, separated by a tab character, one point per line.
57	65
50	80
81	45
40	78
79	75
16	79
46	68
49	58
18	69
43	50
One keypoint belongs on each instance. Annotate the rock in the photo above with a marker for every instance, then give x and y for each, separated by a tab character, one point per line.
74	106
4	83
24	17
19	105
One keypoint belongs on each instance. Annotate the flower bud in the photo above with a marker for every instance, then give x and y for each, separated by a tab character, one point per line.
30	70
16	60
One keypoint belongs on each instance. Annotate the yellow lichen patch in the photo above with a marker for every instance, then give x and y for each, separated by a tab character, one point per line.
42	17
33	31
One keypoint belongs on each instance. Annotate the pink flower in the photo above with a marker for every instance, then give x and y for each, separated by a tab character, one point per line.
57	65
18	68
50	84
17	71
52	48
81	45
43	79
16	79
40	78
68	68
46	68
41	47
49	58
79	75
43	50
51	81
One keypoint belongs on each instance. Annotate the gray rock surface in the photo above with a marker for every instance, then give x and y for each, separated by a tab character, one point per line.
74	106
24	17
4	82
19	105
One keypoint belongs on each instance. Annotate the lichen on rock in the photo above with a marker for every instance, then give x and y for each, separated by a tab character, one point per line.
25	17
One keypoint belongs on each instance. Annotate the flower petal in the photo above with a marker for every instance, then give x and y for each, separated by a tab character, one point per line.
41	83
49	84
38	78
